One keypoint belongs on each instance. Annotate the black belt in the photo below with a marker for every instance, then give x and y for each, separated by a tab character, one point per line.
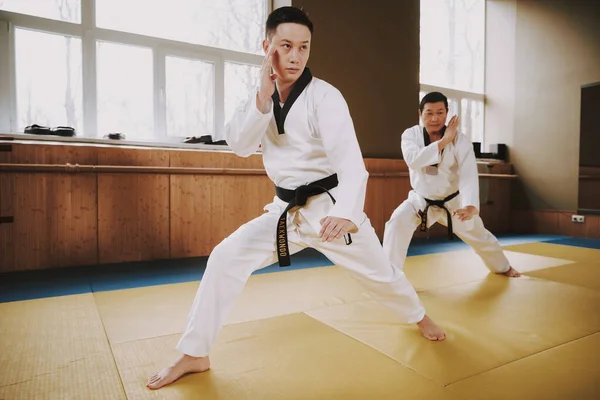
299	197
441	204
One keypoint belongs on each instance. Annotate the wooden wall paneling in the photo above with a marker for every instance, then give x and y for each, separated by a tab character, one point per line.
592	228
7	242
31	227
53	154
589	194
207	208
374	207
589	229
54	214
589	188
495	204
554	222
82	220
133	209
71	217
192	208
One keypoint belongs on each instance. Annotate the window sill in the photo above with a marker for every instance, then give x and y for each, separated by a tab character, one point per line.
83	141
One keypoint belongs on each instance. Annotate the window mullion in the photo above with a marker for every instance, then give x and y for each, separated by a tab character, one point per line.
160	107
8	99
90	97
219	82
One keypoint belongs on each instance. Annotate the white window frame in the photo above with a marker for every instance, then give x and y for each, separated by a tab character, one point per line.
90	34
461	94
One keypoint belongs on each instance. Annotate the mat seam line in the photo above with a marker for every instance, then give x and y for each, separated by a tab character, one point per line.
380	352
112	353
246	321
523	358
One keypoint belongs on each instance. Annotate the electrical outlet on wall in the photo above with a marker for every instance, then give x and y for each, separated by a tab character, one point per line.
579	219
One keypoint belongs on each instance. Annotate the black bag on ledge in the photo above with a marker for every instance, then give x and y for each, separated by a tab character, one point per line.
206	139
64	131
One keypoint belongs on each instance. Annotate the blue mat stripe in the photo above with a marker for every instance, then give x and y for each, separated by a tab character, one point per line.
69	281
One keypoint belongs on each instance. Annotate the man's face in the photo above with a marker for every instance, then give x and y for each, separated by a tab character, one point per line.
434	116
292	48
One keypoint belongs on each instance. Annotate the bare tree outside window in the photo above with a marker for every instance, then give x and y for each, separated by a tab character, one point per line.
127	89
452	55
54	97
43	8
229	24
68	10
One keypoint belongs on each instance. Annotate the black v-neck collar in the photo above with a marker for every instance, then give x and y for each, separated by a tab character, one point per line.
426	135
281	113
428	141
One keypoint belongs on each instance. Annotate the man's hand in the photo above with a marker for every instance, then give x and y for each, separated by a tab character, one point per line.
335	228
465	214
267	79
450	134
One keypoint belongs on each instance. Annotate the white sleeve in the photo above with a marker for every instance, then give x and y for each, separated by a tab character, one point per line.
247	127
415	156
468	176
336	129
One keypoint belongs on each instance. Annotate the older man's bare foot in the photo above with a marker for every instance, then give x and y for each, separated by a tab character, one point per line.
184	365
430	330
512	273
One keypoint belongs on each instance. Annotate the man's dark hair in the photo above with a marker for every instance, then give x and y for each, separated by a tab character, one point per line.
433	97
284	15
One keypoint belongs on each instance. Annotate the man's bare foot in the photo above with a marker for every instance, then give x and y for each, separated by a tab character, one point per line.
430	330
184	365
512	273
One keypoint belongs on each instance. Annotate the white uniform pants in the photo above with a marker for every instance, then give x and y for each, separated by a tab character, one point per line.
252	247
404	220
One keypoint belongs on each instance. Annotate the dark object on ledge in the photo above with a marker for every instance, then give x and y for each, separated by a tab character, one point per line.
65	131
497	151
115	136
35	129
206	139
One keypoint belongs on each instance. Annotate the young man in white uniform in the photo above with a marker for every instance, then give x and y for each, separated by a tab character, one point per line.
309	144
445	188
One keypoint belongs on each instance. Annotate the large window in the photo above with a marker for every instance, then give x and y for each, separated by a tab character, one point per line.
452	58
133	67
48	79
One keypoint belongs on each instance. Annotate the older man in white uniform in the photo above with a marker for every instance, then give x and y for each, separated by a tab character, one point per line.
311	153
445	189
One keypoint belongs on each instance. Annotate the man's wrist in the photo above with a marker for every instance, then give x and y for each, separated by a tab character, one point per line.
443	142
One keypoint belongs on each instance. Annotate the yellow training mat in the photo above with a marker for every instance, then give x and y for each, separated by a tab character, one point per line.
558	251
488	323
288	357
446	269
586	274
55	348
147	312
567	372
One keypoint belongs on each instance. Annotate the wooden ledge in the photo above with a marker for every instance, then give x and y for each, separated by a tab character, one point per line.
122	169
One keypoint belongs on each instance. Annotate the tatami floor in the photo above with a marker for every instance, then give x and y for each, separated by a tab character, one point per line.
311	332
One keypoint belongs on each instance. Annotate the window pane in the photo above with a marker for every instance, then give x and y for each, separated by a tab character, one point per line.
125	91
471	123
62	10
452	44
190	97
48	81
230	24
240	79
